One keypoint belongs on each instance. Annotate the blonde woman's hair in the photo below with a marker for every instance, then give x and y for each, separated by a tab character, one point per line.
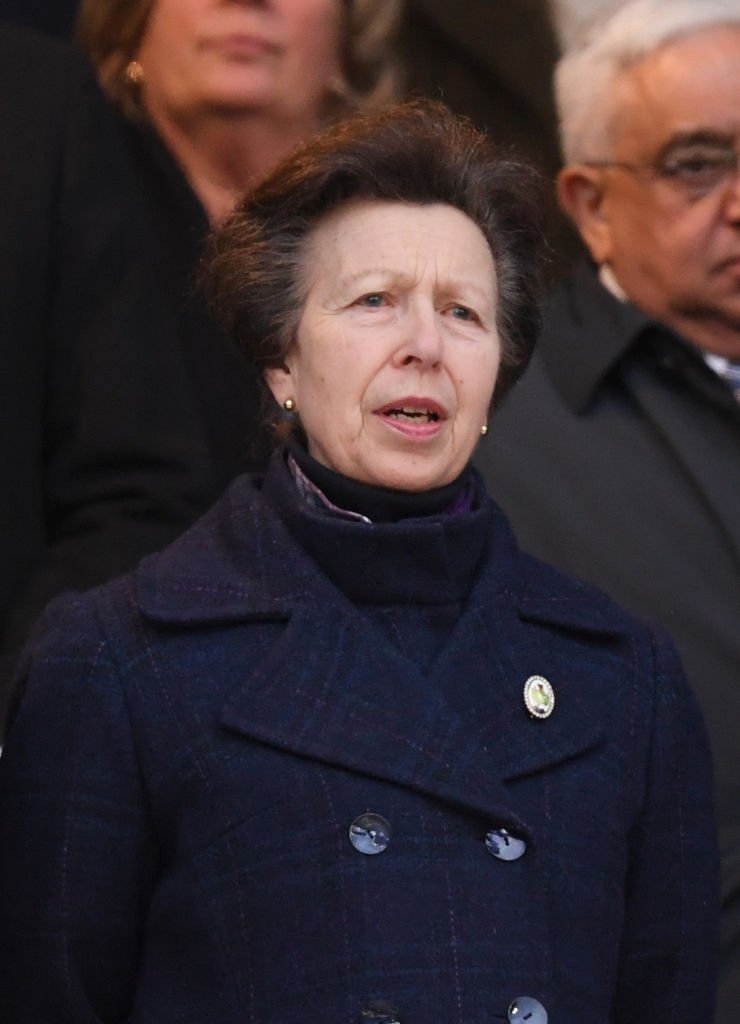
111	32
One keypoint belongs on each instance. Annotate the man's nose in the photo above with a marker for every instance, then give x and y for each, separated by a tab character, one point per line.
732	201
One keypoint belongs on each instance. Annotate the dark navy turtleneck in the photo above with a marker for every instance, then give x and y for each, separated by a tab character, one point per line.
411	572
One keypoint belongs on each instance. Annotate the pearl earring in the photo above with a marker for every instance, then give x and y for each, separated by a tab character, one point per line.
484	430
289	405
133	73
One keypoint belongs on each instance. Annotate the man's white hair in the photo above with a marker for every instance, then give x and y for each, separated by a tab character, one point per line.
569	17
586	74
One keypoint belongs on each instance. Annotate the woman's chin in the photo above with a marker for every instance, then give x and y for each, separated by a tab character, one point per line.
236	89
414	474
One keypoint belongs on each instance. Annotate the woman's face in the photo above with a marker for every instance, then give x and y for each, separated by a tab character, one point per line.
397	350
272	56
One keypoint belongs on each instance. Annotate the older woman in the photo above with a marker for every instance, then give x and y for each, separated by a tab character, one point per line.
343	752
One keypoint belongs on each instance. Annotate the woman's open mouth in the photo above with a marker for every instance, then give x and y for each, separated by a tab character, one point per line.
414	414
414	417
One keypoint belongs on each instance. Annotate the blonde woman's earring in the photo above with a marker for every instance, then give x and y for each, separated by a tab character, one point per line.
133	73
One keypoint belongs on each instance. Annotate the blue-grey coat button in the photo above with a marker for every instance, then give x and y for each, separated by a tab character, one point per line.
379	1011
525	1010
370	833
502	844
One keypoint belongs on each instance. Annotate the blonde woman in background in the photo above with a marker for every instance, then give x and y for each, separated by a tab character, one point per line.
213	95
231	88
131	413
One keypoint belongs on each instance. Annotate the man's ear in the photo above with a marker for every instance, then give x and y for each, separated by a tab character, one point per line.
581	192
280	382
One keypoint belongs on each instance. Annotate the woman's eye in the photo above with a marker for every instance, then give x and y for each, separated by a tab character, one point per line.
462	313
374	300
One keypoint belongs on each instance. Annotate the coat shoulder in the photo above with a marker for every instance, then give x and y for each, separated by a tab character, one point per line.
548	595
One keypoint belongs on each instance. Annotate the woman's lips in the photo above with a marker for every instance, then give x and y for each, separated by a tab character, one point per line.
244	45
414	417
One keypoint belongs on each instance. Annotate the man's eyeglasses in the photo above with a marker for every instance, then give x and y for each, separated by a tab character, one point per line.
697	169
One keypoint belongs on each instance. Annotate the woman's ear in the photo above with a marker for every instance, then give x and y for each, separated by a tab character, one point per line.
280	382
582	190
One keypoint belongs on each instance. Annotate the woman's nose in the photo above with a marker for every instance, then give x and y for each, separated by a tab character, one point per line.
422	340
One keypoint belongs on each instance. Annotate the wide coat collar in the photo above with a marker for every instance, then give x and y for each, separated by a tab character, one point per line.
330	689
589	333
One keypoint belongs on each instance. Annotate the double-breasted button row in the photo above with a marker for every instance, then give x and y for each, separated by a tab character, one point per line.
371	834
522	1010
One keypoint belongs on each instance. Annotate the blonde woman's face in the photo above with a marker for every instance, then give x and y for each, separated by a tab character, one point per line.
277	57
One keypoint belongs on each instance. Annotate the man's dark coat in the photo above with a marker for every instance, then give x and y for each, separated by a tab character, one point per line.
195	741
618	458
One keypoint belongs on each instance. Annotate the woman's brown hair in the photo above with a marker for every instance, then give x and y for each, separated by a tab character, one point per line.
417	152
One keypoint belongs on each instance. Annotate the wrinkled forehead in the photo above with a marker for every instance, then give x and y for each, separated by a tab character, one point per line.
387	236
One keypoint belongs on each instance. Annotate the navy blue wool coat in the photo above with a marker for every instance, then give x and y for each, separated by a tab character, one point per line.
196	739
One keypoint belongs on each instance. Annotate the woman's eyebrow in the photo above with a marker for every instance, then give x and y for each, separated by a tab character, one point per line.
466	286
380	271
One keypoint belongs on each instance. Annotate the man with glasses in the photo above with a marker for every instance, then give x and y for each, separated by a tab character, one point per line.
618	456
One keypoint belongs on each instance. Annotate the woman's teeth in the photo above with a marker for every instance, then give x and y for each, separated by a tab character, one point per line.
415	414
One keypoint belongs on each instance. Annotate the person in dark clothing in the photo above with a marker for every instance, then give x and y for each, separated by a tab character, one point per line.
100	458
49	16
230	89
618	457
202	121
136	413
213	96
342	751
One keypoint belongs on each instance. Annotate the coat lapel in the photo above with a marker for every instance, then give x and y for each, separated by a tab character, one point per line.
701	445
333	689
